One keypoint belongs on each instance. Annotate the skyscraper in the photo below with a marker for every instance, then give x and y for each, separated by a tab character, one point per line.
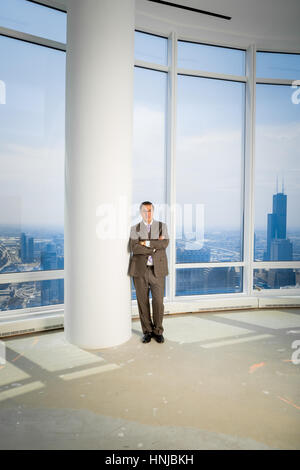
26	248
279	248
30	250
23	248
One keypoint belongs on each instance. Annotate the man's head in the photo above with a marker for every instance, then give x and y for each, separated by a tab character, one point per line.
147	210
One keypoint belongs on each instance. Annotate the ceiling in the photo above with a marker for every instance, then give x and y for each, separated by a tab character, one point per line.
269	23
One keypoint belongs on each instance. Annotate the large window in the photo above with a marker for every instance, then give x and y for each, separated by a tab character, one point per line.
209	170
199	281
32	18
203	159
209	167
192	156
150	126
32	142
150	48
277	171
209	58
277	65
149	152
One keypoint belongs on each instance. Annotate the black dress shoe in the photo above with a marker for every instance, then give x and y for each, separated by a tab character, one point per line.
147	338
159	338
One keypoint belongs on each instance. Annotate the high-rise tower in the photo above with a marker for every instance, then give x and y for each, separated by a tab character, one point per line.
279	248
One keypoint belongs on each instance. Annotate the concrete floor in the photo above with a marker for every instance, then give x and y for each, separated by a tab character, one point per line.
220	381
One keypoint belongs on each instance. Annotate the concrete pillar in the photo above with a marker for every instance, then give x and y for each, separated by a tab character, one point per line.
98	171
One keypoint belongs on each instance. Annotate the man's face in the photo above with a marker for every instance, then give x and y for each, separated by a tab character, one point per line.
147	213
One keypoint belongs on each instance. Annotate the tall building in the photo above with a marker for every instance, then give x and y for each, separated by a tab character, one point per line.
30	250
49	257
279	248
23	248
49	289
26	248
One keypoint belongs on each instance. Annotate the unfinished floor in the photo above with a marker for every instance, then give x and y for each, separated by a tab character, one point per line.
220	381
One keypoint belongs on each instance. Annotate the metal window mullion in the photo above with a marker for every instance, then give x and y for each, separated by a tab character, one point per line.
198	297
30	276
151	66
30	38
276	265
249	171
205	74
171	161
274	81
50	4
277	293
195	40
210	265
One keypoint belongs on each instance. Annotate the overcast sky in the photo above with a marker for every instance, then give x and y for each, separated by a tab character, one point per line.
209	144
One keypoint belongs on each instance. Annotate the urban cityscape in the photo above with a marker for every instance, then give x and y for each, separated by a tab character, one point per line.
36	249
271	244
33	250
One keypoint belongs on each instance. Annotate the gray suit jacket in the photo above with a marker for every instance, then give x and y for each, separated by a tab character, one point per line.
157	249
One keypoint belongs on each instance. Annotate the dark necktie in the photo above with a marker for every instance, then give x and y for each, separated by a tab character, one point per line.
150	260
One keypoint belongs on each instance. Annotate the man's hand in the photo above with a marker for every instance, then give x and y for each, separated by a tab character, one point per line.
143	242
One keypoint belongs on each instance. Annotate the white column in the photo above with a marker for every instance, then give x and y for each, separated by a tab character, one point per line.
98	171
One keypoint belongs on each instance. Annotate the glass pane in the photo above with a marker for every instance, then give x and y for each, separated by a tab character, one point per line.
277	173
276	65
31	294
209	182
211	58
150	48
34	19
32	144
200	281
149	156
276	278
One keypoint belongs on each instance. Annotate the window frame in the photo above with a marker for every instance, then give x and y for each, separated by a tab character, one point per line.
268	264
247	264
6	278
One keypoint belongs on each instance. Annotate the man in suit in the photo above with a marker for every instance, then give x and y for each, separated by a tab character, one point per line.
148	266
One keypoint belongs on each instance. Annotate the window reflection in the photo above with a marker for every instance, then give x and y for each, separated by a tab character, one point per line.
276	279
32	145
149	139
277	169
201	281
209	58
278	65
150	48
209	164
23	295
34	19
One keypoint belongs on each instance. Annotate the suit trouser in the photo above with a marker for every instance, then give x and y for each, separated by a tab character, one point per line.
142	287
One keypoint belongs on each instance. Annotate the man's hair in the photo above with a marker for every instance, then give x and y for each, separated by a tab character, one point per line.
146	203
